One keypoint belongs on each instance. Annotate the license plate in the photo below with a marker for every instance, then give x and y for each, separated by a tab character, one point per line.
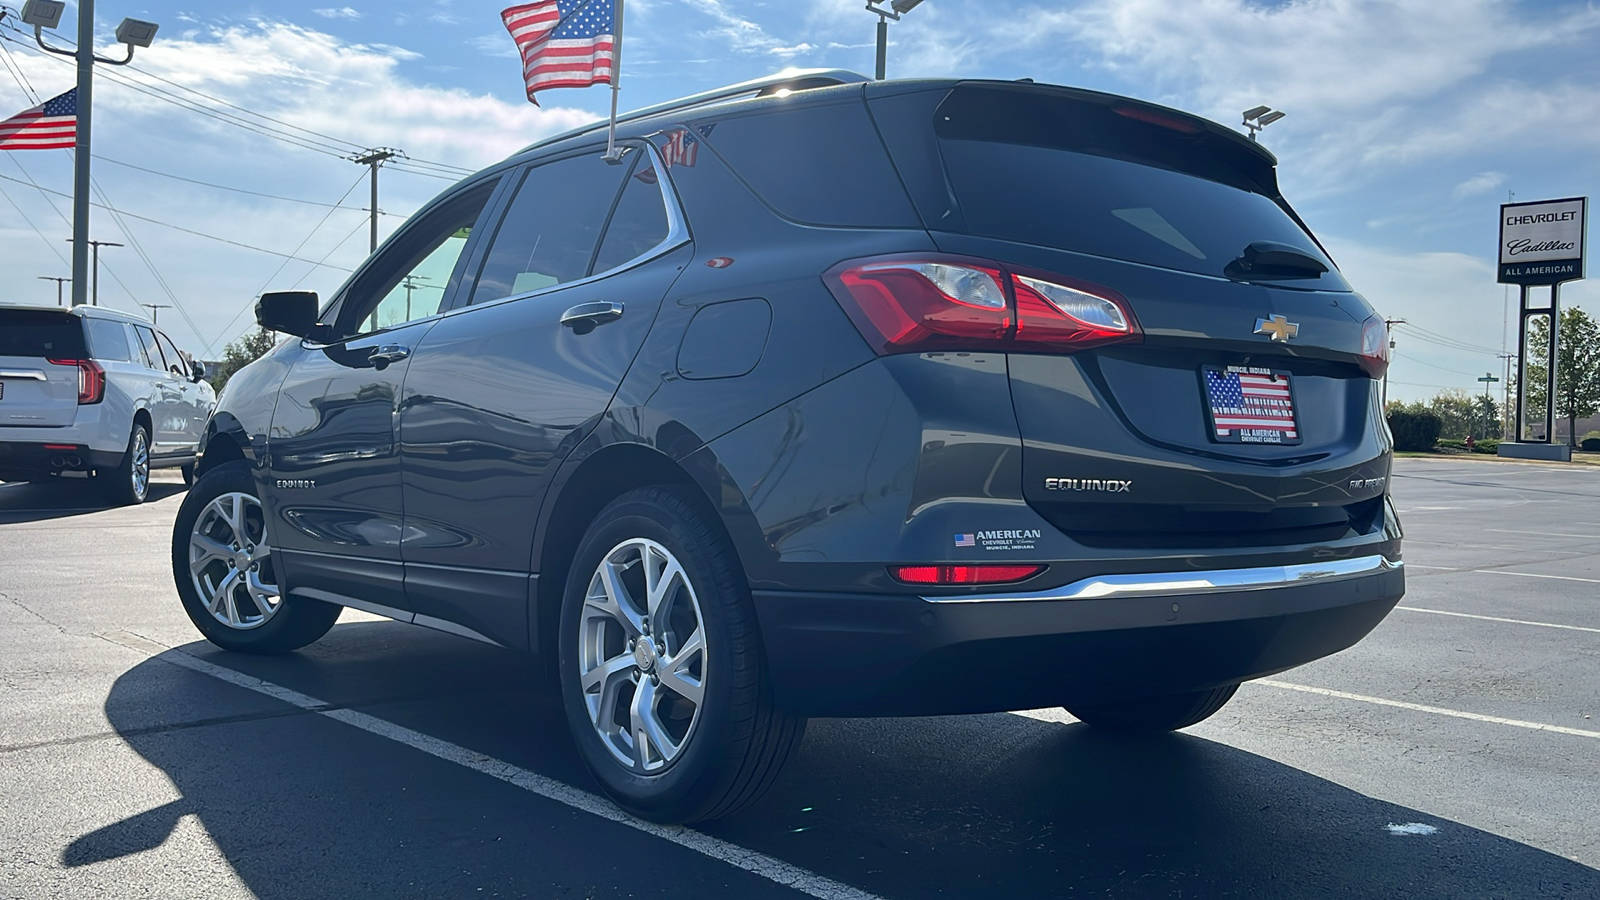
1250	405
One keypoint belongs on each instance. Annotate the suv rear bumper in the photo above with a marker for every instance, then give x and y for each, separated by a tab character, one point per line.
866	655
36	459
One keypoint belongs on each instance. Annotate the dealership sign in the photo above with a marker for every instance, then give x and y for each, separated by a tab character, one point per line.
1542	242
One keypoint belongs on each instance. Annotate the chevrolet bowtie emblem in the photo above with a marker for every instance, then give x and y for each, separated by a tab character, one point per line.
1279	327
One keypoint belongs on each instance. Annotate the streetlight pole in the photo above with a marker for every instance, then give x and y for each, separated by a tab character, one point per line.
1487	379
897	8
58	280
134	33
94	294
155	311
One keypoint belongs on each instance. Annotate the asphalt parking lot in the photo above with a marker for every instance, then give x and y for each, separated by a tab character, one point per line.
1454	753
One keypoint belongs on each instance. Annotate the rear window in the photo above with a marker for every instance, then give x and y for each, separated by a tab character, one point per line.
821	164
108	339
1044	167
42	334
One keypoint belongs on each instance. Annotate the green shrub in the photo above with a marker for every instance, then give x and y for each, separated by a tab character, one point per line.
1591	441
1413	429
1487	445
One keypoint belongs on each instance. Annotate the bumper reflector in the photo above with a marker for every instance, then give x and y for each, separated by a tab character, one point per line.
964	574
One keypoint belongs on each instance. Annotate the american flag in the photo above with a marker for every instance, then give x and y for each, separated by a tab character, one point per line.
564	43
966	540
1245	402
682	149
52	125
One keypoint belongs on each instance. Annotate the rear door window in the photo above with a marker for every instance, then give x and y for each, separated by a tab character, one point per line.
551	228
639	224
151	353
40	334
108	339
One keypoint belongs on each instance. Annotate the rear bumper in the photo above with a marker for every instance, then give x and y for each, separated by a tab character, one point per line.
36	459
855	654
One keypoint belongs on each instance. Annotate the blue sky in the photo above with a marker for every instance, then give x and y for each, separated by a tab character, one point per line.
1408	122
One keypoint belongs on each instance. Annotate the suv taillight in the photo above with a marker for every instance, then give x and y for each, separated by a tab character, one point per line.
909	304
91	379
1375	346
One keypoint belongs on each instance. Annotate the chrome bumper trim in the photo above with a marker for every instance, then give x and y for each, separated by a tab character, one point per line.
1156	584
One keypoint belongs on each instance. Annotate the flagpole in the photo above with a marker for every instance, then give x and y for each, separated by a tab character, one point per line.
616	78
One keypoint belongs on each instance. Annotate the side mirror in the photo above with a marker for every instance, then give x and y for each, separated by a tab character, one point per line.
197	370
291	312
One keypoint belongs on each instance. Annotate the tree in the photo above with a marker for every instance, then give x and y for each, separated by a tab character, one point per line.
1577	367
1458	414
246	350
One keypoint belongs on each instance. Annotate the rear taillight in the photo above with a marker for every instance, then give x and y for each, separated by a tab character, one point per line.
1000	574
1375	346
909	304
91	379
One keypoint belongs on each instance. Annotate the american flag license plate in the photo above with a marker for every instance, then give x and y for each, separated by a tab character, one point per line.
1250	405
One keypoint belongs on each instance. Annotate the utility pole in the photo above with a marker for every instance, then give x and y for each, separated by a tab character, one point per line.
1505	397
155	311
412	285
58	281
42	14
95	245
1388	325
375	158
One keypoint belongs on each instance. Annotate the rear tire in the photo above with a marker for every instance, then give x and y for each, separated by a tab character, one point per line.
129	483
1153	714
227	575
663	675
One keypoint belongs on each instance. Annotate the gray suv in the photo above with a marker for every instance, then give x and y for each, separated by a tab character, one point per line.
824	397
94	393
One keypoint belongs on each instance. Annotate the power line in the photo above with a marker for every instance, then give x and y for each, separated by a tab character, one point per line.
223	187
172	226
1432	366
1444	338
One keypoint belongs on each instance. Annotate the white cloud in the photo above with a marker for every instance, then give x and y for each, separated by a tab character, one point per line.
340	12
1481	183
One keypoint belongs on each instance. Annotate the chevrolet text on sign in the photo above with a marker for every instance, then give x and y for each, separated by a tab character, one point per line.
1542	242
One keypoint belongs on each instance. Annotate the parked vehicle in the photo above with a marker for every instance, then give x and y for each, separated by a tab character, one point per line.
90	392
828	397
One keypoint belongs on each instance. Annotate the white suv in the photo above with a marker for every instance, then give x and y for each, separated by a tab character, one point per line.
94	393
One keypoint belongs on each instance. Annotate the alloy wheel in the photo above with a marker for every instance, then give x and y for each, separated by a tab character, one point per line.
230	562
139	470
642	655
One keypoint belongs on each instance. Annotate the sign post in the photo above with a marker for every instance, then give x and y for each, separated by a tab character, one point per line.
1541	243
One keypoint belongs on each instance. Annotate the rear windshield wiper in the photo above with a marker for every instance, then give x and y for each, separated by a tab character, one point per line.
1271	259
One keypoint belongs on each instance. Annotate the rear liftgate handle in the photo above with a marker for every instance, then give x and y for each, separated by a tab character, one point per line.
382	356
583	318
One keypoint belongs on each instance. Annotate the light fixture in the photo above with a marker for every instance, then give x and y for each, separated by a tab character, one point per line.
1259	117
136	32
42	13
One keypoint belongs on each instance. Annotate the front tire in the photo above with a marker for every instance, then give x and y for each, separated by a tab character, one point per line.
129	483
227	575
662	671
1148	715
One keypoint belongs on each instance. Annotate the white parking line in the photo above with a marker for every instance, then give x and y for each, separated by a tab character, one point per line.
1543	533
770	868
1441	612
1435	710
1536	575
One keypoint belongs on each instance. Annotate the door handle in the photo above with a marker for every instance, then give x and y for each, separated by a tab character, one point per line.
585	316
382	356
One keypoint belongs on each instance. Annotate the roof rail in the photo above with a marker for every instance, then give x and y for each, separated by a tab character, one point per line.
795	79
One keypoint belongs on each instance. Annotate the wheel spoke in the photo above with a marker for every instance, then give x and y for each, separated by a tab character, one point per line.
613	599
652	744
675	670
203	549
609	675
659	584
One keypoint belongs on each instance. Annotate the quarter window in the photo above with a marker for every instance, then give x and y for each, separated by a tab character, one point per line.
108	339
551	229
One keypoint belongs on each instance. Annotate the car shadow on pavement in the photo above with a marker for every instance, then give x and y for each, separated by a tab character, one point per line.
41	501
990	806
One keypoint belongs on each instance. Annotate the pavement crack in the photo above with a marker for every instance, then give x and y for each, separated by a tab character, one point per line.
35	613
